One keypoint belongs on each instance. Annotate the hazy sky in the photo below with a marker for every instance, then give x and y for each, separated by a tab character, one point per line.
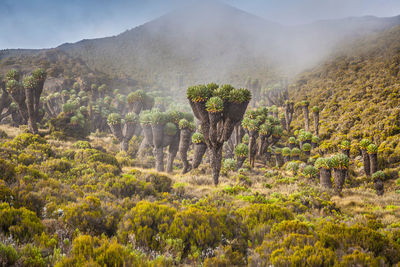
49	23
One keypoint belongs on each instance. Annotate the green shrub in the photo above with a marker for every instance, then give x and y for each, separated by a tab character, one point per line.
82	144
148	223
310	171
160	182
7	171
198	229
8	255
229	165
241	150
292	166
21	223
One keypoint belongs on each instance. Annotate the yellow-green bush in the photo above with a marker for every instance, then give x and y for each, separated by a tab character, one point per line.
148	223
21	223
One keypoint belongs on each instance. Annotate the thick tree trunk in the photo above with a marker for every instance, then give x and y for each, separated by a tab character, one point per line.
172	151
239	162
136	107
159	156
279	160
184	144
307	153
286	159
296	157
379	187
216	158
252	147
314	145
158	135
116	130
199	150
128	132
340	176
373	162
346	152
292	145
306	118
31	110
283	123
325	178
316	123
367	165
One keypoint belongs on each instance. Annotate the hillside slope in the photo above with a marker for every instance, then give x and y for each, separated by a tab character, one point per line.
358	91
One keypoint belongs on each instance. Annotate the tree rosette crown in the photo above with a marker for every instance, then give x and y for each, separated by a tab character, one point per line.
345	145
114	119
12	86
315	139
184	124
277	131
145	118
131	118
13	74
137	96
175	116
286	151
364	143
39	75
315	109
170	129
265	129
197	138
379	175
29	82
239	95
372	149
159	118
325	163
306	147
340	161
241	150
295	152
292	140
198	93
215	104
305	103
251	125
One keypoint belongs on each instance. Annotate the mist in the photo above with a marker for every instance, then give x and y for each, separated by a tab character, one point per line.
180	43
48	23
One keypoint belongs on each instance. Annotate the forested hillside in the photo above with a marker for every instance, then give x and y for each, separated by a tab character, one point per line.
358	90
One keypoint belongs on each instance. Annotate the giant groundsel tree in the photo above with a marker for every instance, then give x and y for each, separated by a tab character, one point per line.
219	109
